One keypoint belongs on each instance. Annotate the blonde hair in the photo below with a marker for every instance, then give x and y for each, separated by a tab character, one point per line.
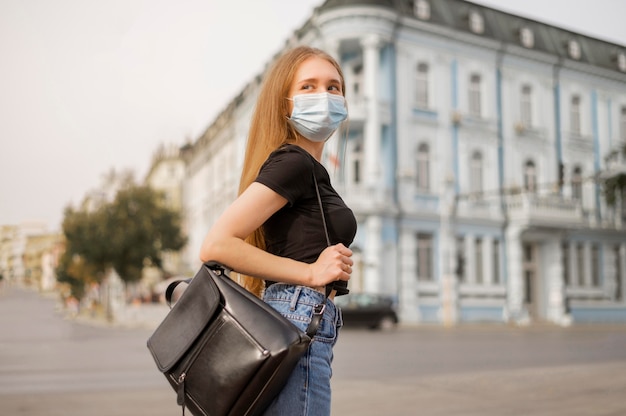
269	130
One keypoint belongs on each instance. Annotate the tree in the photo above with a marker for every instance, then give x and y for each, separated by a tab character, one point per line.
140	228
126	234
614	179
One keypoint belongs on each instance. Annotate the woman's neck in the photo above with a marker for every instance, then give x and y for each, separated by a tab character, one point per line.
314	148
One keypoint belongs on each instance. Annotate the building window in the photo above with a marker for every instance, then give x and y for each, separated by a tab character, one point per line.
358	82
421	9
622	125
460	259
424	257
595	265
357	163
476	173
421	85
530	177
621	61
478	251
580	263
573	49
496	261
475	96
423	167
577	184
565	257
526	108
527	37
575	115
476	23
619	294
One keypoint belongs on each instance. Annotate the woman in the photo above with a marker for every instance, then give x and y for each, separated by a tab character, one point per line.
273	233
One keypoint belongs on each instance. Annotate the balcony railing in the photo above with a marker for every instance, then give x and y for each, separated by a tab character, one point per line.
545	210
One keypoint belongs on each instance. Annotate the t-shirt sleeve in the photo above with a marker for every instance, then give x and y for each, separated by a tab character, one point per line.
288	172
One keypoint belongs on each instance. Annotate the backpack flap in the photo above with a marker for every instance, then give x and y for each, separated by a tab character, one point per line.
190	315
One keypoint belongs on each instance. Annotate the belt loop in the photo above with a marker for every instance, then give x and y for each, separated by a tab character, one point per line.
294	299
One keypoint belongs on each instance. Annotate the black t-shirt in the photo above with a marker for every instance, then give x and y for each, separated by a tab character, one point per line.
296	231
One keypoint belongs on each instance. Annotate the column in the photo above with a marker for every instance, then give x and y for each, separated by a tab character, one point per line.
515	284
555	284
573	267
334	147
407	292
470	259
622	275
488	260
372	254
449	308
587	264
372	130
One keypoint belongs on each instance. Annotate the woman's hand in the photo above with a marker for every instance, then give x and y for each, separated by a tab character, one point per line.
333	264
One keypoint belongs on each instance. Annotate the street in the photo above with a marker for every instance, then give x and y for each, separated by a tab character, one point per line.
51	365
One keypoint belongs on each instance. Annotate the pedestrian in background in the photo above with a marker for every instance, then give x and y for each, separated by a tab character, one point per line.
273	234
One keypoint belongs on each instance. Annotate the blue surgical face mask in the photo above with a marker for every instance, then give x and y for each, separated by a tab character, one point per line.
317	116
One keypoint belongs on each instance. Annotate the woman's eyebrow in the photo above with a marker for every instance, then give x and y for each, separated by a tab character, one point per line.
332	81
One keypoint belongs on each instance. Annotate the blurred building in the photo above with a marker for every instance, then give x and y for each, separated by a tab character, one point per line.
41	258
166	175
475	141
13	244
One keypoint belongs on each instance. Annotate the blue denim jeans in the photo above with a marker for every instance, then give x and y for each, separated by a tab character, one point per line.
307	392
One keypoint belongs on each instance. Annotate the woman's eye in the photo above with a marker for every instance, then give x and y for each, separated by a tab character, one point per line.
307	86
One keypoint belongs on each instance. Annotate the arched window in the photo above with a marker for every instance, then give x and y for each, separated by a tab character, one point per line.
421	9
476	173
526	37
573	48
475	96
577	183
526	108
423	167
530	176
575	115
421	85
476	23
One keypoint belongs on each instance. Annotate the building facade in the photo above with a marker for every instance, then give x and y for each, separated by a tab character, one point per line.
166	175
472	160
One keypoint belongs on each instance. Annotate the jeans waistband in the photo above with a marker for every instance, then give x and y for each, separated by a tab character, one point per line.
286	292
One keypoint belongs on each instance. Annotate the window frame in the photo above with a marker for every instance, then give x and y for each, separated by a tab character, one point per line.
422	84
530	176
526	105
476	173
422	172
424	254
575	115
475	95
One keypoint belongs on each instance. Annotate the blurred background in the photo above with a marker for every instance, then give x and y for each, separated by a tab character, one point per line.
484	159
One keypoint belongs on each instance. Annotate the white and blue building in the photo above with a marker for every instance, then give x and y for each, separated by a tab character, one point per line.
473	157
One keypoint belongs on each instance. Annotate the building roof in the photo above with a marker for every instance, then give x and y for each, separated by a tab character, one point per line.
505	27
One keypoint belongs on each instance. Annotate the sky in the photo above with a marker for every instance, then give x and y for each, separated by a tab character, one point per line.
87	86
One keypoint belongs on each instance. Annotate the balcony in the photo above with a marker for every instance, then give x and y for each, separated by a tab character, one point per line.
544	210
478	207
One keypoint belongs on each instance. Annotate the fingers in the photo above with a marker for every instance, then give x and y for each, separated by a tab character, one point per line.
335	263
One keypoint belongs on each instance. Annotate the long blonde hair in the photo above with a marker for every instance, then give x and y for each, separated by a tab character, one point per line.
269	129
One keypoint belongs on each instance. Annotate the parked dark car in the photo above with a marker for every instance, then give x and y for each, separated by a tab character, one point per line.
368	310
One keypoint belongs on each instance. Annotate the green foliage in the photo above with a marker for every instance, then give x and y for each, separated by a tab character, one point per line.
612	187
615	185
131	231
